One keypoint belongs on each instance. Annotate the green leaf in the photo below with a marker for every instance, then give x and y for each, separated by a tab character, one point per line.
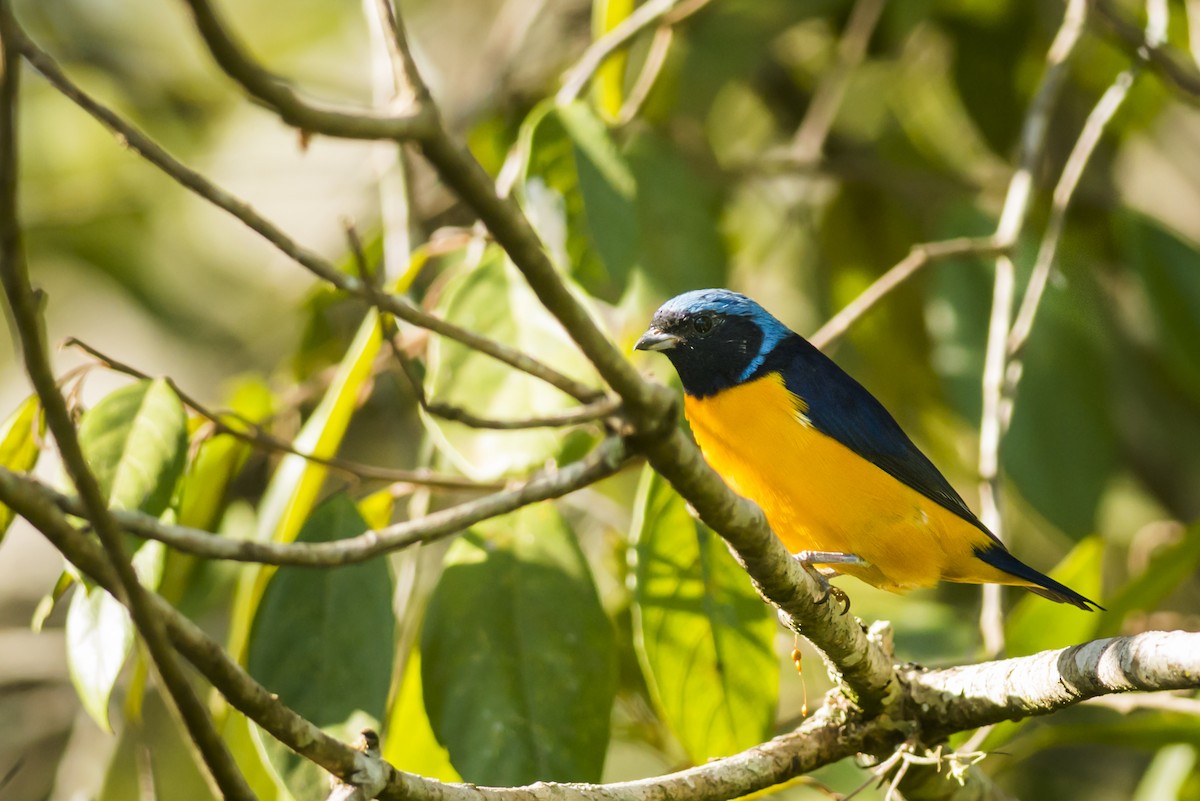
1168	774
172	769
20	435
409	742
494	300
202	491
1036	624
323	638
580	194
1169	270
99	634
704	637
608	84
135	441
518	658
297	481
1170	566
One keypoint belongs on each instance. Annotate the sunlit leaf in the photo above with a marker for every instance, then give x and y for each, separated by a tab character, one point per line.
408	741
518	661
99	634
704	636
608	84
1169	772
494	300
297	481
20	447
155	753
135	441
572	160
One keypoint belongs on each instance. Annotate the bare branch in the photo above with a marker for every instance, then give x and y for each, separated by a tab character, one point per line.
814	129
400	307
917	258
1160	56
604	460
276	93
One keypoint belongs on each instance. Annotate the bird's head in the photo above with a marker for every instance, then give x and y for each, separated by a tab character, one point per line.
715	338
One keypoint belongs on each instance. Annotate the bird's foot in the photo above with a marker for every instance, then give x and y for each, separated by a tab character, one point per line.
810	559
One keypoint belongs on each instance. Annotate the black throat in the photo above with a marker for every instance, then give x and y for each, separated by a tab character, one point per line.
707	365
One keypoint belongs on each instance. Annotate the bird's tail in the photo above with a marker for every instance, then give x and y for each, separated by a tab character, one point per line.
998	557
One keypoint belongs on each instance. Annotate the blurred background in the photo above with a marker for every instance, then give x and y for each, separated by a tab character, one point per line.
1102	463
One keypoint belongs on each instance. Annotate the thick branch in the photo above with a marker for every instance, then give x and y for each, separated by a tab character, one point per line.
956	699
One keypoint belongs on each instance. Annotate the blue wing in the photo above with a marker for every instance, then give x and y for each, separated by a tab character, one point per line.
841	408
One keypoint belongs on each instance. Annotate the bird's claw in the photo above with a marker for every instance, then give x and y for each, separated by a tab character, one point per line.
827	589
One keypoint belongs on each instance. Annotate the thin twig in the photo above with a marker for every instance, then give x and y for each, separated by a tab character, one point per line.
1160	56
596	410
25	305
578	76
314	263
991	618
814	129
917	258
605	460
656	57
254	434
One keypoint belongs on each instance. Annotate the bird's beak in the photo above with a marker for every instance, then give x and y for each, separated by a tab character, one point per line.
654	339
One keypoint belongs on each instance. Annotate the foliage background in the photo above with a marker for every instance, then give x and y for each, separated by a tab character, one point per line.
698	189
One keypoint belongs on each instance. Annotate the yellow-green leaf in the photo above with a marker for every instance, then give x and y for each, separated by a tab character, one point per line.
20	435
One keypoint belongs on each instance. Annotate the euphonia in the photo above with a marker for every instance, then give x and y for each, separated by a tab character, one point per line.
838	480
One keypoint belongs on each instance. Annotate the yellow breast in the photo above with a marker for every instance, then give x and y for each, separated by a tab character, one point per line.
819	495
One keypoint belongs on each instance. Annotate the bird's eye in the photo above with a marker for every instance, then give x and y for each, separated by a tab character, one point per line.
702	324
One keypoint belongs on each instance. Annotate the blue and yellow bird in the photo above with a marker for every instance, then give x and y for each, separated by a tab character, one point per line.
839	481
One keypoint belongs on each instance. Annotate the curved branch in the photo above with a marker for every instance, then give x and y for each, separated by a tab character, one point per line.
605	460
278	95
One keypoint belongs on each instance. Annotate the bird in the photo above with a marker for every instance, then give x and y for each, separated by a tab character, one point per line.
838	480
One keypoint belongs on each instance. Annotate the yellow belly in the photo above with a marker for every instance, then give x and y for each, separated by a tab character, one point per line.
819	495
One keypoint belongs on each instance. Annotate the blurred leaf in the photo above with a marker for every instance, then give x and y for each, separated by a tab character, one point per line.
46	605
1036	624
1170	566
678	218
408	741
135	441
1169	270
1168	773
1061	448
323	637
99	634
571	154
240	736
20	437
517	655
608	84
494	300
155	753
376	509
704	636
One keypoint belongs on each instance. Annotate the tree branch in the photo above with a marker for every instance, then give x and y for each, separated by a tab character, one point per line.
397	306
604	460
26	312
